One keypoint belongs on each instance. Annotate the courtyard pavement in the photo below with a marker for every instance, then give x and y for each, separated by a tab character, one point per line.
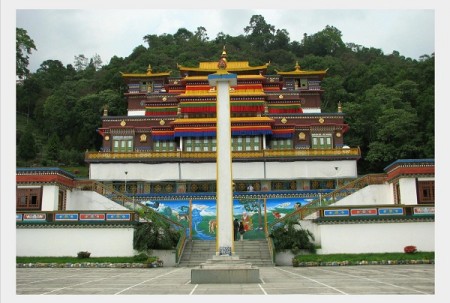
418	279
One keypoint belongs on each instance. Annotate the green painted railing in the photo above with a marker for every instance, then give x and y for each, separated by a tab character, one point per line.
332	197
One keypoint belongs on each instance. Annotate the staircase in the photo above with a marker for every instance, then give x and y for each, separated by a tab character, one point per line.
255	252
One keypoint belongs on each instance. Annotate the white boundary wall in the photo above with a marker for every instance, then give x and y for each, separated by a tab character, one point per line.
60	242
376	237
67	242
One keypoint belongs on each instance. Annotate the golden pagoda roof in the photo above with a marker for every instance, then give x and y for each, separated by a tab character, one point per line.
232	66
299	72
149	74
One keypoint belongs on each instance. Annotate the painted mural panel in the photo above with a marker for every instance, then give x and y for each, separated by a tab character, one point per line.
199	215
176	210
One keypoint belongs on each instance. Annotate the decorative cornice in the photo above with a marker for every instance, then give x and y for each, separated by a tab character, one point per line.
44	176
368	220
53	225
410	168
237	195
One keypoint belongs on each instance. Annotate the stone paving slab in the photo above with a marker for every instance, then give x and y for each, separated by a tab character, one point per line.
280	280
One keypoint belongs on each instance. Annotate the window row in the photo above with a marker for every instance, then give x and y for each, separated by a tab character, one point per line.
208	144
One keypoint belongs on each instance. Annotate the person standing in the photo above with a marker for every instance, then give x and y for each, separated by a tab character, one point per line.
236	229
241	230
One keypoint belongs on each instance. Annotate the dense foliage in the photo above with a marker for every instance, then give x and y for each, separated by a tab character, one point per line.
291	236
155	235
388	99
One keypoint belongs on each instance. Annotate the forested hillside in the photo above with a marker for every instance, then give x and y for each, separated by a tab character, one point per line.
388	99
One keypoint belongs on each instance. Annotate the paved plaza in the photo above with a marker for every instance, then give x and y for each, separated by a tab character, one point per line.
280	280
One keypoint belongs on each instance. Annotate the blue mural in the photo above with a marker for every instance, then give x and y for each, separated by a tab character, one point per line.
255	213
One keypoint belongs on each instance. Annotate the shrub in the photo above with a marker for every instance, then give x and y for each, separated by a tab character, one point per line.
410	249
142	257
83	254
155	235
293	237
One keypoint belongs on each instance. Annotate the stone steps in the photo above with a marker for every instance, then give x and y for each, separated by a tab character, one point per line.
255	252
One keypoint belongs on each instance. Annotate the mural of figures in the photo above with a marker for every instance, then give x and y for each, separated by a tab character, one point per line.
247	220
205	225
199	216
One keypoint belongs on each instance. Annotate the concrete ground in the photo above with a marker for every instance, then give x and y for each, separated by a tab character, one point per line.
416	279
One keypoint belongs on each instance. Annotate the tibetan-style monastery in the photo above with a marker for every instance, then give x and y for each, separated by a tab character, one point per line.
289	160
281	140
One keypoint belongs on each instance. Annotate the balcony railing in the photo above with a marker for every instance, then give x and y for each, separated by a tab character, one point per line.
262	154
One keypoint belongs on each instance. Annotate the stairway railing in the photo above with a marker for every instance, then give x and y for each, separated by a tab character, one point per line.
130	203
332	197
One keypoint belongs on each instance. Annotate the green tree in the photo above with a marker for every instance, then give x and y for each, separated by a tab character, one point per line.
27	95
395	139
58	114
53	146
89	110
326	42
201	34
80	62
334	92
24	47
26	149
52	73
96	61
260	34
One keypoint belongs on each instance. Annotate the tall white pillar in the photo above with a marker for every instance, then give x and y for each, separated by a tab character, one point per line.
224	184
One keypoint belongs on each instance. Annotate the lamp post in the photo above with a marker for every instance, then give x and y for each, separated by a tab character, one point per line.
126	173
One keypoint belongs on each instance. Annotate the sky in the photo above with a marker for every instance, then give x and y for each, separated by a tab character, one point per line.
65	33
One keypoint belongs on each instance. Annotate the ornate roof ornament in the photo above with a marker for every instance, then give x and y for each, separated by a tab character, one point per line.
149	69
297	66
222	64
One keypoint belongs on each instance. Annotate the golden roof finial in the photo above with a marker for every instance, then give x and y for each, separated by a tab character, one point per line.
222	64
297	66
339	107
105	110
149	69
224	52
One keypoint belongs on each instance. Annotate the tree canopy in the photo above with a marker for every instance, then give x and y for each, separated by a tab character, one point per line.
24	47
